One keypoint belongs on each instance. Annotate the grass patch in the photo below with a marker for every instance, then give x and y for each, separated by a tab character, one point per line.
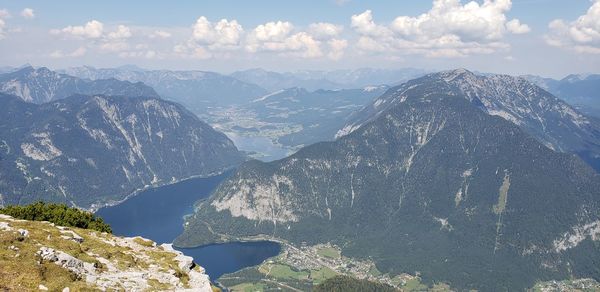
143	242
329	252
374	271
414	285
248	287
319	276
283	272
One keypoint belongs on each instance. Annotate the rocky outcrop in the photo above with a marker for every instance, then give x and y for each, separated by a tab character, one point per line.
47	257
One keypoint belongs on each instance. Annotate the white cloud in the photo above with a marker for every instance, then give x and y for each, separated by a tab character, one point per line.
341	2
92	29
2	27
3	14
149	54
516	27
303	45
336	48
27	13
582	35
280	37
324	30
74	54
448	29
210	38
122	32
272	31
160	34
118	46
219	35
363	24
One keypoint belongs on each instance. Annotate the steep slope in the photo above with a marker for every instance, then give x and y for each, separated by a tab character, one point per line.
39	256
85	150
43	85
432	185
196	89
544	116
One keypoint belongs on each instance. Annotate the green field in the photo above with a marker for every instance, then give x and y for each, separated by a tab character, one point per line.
329	252
248	287
280	271
321	275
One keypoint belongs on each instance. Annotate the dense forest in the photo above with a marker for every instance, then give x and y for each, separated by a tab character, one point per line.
349	284
59	214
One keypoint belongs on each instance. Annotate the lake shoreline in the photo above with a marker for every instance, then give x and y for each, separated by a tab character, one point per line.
95	207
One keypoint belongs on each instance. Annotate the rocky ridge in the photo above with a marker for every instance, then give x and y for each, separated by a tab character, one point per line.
40	255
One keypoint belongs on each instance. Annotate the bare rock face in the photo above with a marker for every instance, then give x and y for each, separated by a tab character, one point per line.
74	265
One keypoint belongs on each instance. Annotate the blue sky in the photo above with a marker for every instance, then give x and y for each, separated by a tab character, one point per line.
492	35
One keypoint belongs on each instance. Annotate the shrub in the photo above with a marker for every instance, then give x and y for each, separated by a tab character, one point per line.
59	214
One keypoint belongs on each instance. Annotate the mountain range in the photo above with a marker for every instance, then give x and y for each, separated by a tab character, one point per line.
91	150
552	121
581	91
446	176
39	85
329	80
197	90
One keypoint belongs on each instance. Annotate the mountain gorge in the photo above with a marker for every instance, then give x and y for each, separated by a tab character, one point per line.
39	85
94	150
447	178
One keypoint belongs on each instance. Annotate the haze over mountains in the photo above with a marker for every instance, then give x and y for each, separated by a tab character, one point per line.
39	85
582	91
338	79
198	90
440	176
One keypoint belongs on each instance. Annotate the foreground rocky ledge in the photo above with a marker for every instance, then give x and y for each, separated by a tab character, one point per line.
42	256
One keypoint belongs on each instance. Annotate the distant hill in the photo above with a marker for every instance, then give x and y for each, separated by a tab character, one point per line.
39	85
197	90
581	91
338	79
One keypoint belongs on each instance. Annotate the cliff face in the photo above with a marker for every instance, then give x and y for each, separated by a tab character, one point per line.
42	256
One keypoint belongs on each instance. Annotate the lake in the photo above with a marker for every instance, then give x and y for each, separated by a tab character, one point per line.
157	214
263	147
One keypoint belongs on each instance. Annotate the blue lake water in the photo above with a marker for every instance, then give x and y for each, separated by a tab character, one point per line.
157	214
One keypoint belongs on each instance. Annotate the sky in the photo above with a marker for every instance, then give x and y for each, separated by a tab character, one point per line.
550	38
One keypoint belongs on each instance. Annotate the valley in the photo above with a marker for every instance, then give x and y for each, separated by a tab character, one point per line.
303	146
